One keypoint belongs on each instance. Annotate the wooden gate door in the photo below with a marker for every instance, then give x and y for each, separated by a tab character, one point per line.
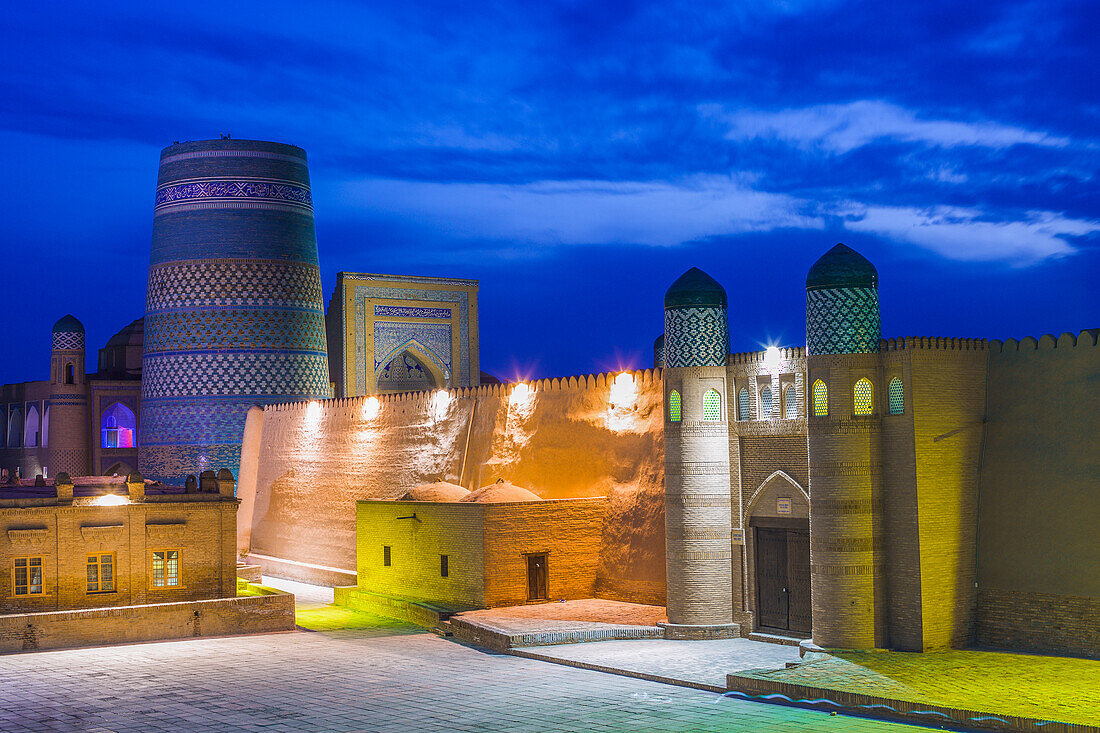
798	581
536	577
771	578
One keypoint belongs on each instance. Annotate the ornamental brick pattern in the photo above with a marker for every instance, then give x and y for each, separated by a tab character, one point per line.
842	321
234	312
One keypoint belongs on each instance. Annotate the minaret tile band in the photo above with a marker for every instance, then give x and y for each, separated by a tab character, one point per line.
234	309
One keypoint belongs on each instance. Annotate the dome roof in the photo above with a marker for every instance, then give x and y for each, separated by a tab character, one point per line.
499	493
131	335
68	324
438	491
842	267
659	342
695	287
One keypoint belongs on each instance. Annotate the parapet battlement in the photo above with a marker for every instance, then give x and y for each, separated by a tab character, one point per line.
422	398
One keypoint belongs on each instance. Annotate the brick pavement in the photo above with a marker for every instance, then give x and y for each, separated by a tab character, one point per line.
702	664
363	679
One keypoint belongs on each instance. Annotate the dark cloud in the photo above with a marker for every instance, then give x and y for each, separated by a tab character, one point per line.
929	133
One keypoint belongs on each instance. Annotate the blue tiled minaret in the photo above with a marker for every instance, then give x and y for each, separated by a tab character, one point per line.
234	315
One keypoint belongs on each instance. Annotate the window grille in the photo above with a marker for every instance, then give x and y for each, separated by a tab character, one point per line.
166	569
863	397
674	407
101	573
790	402
712	406
821	399
897	397
743	404
27	580
766	403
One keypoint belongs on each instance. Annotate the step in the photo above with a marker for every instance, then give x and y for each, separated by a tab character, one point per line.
773	638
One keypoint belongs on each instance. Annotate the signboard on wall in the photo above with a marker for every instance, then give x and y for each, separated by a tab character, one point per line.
783	505
738	536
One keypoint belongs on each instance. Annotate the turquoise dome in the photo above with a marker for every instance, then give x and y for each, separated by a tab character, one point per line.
842	267
695	288
68	324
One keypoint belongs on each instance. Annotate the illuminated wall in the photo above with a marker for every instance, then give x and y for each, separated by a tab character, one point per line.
560	438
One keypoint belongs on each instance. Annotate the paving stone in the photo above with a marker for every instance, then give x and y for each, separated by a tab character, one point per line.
359	680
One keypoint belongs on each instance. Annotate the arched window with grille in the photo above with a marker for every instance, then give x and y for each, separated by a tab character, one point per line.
790	402
863	397
821	399
674	406
897	397
712	406
766	403
118	427
743	404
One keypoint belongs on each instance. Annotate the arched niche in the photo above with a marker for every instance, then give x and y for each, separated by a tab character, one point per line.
411	368
31	428
118	427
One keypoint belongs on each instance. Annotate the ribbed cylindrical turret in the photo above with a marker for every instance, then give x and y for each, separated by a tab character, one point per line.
67	439
234	315
844	446
697	473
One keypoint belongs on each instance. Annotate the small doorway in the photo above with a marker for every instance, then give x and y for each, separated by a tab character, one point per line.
536	577
783	579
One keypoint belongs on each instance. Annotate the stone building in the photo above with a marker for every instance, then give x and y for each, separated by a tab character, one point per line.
389	333
870	504
90	543
497	546
75	422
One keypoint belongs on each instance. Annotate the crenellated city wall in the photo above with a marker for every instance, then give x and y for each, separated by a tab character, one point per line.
1038	564
587	435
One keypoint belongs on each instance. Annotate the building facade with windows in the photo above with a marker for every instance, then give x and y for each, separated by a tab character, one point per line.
75	422
869	502
108	542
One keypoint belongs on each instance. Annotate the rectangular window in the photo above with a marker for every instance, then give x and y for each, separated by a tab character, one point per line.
444	570
27	576
101	573
166	569
386	555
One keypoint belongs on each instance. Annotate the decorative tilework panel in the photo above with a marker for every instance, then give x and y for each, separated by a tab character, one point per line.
405	311
659	355
460	297
897	397
204	330
217	374
229	283
790	402
712	406
743	409
66	340
821	399
674	406
172	464
766	403
696	337
389	338
842	321
199	421
863	397
232	189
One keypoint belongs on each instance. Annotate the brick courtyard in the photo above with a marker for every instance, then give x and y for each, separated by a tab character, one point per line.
382	679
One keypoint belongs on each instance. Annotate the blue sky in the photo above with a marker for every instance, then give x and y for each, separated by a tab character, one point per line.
576	157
